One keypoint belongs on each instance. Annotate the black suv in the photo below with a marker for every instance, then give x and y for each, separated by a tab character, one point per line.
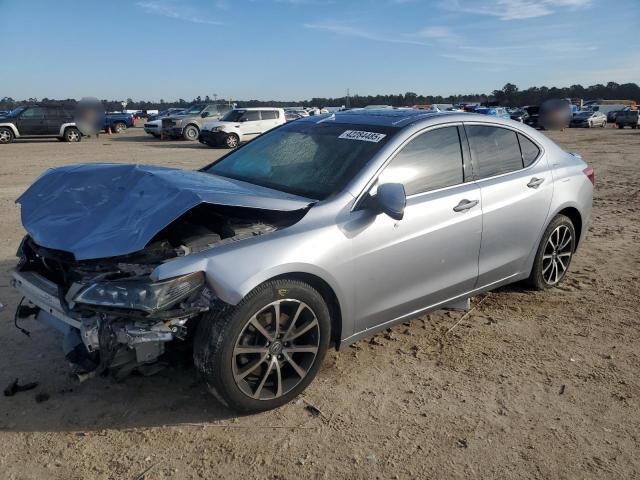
36	121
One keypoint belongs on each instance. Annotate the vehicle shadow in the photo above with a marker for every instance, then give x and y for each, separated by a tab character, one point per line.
174	396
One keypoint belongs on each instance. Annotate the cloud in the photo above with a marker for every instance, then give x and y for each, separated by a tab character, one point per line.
351	31
513	9
439	33
176	10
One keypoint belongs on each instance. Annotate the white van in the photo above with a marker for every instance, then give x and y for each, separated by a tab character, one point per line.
241	125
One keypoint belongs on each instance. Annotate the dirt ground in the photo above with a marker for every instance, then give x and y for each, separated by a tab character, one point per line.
529	385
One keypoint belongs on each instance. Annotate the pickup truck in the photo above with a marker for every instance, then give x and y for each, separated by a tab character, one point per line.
118	122
628	118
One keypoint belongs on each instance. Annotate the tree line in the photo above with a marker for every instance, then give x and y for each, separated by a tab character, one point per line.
509	95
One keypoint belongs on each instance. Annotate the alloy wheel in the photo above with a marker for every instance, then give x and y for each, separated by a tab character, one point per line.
232	141
557	255
276	349
73	136
5	136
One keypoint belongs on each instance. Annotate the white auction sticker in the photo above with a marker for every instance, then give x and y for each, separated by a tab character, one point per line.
364	136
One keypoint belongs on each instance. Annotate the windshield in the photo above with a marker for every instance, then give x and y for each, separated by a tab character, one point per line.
310	159
233	116
192	110
584	114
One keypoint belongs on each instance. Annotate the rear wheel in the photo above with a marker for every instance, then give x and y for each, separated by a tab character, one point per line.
554	254
190	132
119	127
263	352
72	134
6	135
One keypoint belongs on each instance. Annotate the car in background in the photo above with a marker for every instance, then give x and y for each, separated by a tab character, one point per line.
40	121
165	113
589	119
499	112
628	118
519	115
290	116
187	124
317	234
533	112
241	125
118	121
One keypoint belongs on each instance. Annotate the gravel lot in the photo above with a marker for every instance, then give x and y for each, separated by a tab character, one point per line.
529	385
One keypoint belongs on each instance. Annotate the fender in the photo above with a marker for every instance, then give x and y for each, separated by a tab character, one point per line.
64	126
12	127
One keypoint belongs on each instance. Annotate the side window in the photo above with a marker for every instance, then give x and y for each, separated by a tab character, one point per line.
431	161
269	114
251	116
530	150
33	113
495	150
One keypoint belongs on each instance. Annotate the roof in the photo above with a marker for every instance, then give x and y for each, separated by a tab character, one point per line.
388	117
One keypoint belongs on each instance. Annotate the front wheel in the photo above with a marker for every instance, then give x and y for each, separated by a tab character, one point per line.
6	135
231	140
554	254
119	127
263	352
190	133
72	134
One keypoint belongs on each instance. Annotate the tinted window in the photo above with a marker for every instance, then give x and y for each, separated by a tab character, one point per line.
36	112
305	158
432	160
250	116
495	150
269	114
529	149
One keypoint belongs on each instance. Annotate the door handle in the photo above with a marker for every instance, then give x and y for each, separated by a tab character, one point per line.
535	182
465	205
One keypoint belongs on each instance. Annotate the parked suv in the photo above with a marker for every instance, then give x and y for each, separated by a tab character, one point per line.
240	125
39	121
188	124
628	118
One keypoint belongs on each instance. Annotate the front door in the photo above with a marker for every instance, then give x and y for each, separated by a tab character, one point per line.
32	121
431	255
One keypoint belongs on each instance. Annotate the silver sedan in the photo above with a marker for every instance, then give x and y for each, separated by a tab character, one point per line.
320	232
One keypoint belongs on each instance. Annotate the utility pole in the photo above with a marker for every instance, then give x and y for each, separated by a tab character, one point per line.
215	98
348	102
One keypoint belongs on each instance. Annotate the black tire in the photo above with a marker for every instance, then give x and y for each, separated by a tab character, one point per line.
231	140
6	135
72	134
119	127
220	332
540	269
190	132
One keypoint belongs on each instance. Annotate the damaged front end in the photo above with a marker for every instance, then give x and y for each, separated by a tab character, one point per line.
114	317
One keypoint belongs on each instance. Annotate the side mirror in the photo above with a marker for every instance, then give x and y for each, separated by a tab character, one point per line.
391	200
204	114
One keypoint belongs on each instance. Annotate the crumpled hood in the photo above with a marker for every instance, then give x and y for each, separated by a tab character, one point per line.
107	210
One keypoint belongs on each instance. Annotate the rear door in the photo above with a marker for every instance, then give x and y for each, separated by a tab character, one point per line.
431	255
269	119
54	117
516	187
32	121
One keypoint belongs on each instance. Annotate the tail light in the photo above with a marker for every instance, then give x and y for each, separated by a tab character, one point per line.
590	175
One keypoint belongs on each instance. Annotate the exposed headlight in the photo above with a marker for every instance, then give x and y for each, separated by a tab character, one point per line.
140	294
217	129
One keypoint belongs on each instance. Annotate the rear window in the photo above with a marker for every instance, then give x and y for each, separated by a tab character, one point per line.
269	114
494	150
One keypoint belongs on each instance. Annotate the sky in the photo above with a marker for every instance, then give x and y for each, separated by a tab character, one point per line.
299	49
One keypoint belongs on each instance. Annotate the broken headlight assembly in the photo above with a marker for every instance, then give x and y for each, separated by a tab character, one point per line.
140	294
